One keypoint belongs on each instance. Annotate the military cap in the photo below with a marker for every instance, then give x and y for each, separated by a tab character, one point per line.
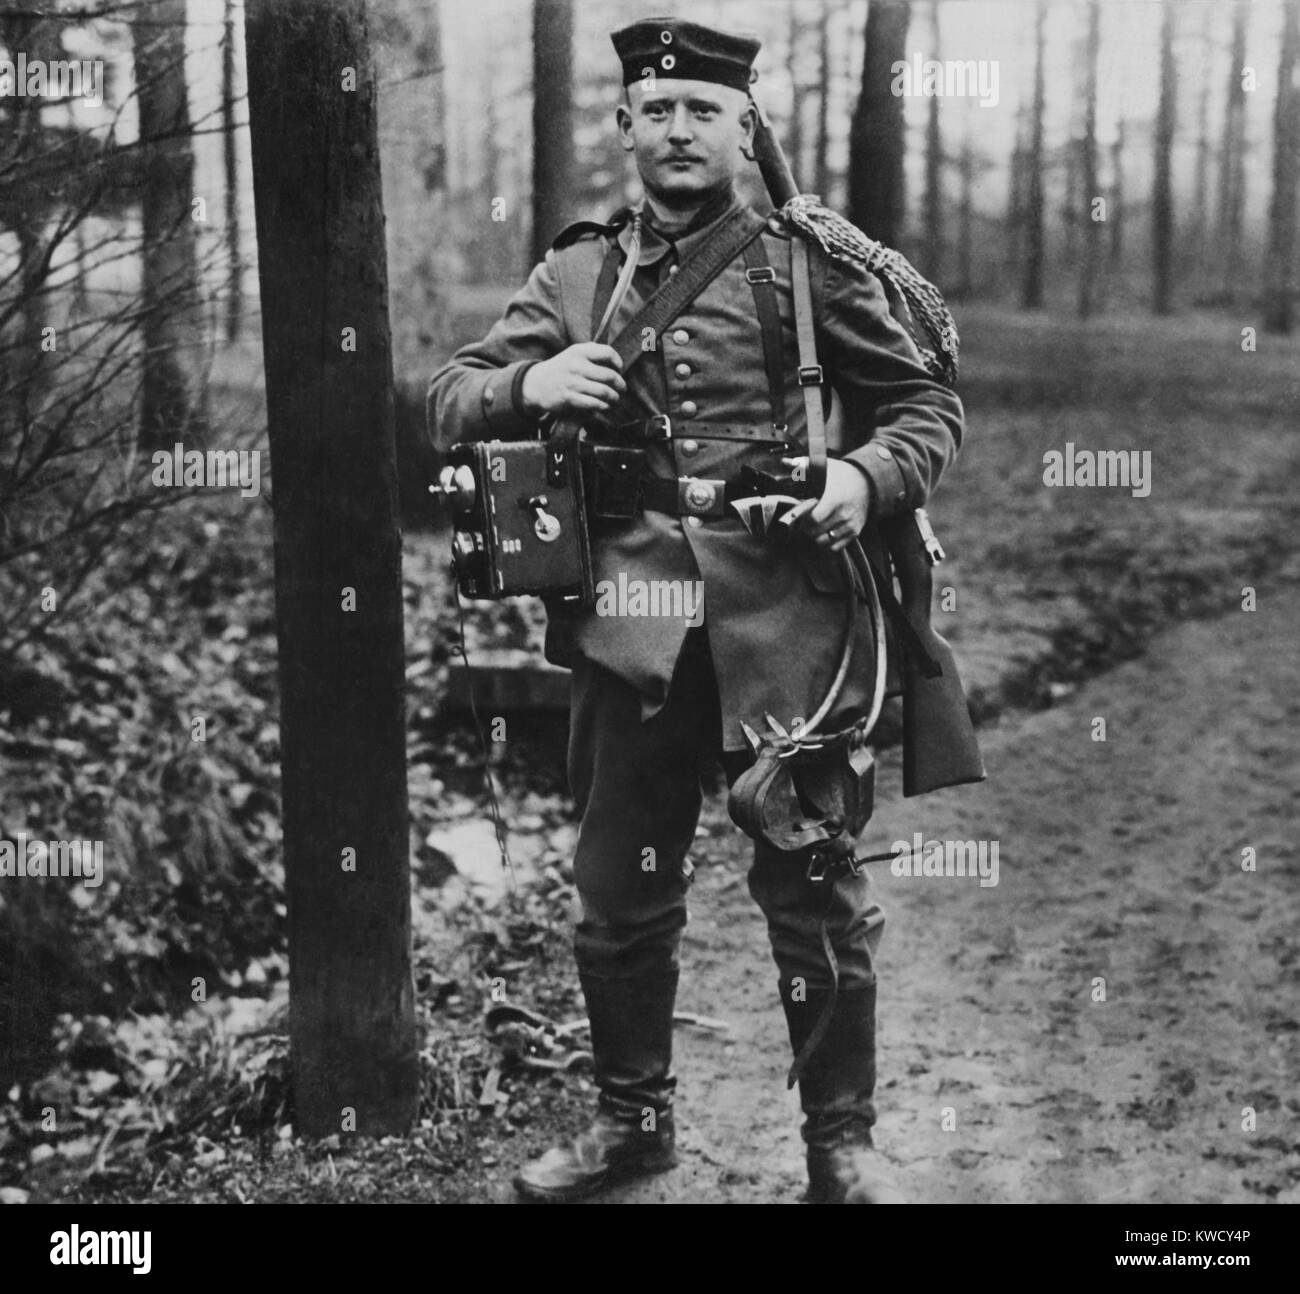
685	51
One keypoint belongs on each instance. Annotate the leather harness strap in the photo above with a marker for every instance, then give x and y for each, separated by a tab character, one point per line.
650	430
810	371
762	282
695	273
605	283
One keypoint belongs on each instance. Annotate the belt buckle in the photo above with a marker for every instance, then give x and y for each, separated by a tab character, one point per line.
661	422
699	496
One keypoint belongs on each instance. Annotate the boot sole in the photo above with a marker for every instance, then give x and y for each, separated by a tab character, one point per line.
647	1167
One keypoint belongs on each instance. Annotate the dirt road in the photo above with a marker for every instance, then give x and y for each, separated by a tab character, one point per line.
1120	875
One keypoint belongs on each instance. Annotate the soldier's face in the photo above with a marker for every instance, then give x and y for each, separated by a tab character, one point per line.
687	135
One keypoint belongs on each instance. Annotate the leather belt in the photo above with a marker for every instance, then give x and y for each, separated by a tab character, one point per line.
661	428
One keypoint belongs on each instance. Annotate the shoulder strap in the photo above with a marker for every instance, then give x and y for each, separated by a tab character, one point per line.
810	371
762	282
605	282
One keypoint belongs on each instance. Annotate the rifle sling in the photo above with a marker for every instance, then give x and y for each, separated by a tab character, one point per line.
762	283
811	378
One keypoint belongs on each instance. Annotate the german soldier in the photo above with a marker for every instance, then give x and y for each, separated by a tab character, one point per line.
716	393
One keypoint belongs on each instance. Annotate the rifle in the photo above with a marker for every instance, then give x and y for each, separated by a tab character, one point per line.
939	744
778	178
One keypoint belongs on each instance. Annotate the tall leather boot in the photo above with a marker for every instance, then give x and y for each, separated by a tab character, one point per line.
836	1089
632	1134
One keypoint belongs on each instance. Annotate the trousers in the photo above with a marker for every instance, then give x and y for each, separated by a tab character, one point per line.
637	786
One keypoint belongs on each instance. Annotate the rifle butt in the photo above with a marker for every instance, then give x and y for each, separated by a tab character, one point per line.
939	744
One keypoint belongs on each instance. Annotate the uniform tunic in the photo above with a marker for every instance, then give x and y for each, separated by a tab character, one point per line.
774	613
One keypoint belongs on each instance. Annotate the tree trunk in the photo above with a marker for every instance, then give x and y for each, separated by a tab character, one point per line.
322	269
966	215
1070	200
1090	272
1201	195
1232	188
1015	217
553	168
1031	293
174	387
795	149
1116	212
1280	284
934	169
434	157
876	135
235	287
27	368
1162	198
821	163
22	378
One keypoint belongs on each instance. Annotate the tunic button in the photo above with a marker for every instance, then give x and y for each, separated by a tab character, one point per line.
681	336
694	521
689	446
883	452
489	395
672	269
683	370
689	408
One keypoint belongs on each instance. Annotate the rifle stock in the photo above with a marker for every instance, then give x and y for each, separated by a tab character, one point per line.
939	745
772	164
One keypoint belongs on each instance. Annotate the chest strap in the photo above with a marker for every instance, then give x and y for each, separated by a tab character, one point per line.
762	282
810	371
602	303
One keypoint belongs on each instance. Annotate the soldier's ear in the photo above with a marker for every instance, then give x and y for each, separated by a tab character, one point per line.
623	115
748	122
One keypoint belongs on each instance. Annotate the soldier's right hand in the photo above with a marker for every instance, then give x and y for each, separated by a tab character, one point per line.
582	379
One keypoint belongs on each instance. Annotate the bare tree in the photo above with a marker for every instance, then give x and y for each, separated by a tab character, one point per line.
1116	213
1070	196
965	213
23	381
1015	215
1281	276
234	289
1031	292
821	148
934	168
435	135
1200	220
795	142
553	168
876	135
338	585
1232	155
1162	198
173	402
1090	270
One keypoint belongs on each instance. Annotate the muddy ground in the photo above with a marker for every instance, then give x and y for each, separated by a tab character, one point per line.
1120	861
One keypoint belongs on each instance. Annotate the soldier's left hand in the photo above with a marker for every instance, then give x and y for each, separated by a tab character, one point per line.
840	514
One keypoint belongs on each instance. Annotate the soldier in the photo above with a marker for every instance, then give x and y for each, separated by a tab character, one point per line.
716	392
